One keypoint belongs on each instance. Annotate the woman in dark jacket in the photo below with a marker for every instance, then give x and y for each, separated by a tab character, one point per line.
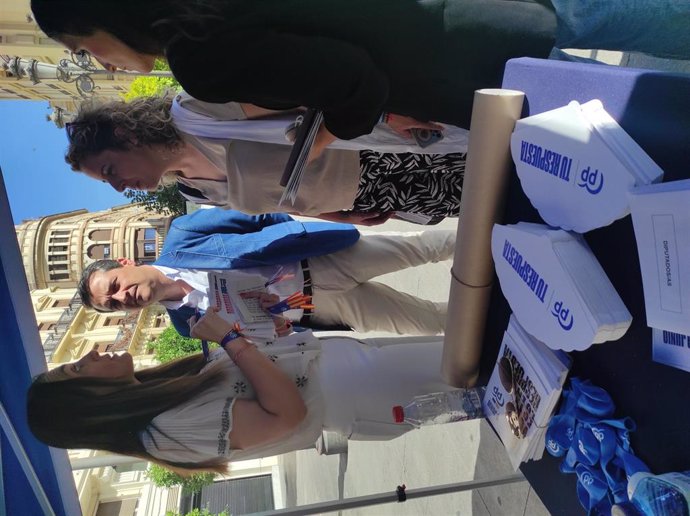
354	59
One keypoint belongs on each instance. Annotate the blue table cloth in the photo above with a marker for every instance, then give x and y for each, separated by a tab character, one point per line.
654	108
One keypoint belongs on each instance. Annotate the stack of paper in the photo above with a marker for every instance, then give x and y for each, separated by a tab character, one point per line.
670	348
576	165
226	293
307	129
662	231
556	287
523	391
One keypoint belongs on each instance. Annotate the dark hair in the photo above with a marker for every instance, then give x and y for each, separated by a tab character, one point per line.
120	125
146	27
83	287
106	414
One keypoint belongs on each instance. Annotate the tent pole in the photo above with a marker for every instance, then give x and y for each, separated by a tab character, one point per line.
374	499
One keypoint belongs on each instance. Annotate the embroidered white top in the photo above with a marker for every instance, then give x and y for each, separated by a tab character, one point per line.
197	430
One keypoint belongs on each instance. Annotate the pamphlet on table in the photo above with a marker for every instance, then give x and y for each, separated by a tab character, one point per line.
671	349
523	391
556	287
661	219
576	165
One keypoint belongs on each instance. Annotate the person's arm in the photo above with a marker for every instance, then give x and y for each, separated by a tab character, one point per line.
278	409
362	218
218	221
252	111
284	71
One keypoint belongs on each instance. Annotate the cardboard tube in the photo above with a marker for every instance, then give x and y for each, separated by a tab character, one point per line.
494	114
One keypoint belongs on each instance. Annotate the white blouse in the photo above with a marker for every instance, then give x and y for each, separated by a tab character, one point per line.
197	430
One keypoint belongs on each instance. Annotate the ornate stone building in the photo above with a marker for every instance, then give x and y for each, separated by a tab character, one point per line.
57	248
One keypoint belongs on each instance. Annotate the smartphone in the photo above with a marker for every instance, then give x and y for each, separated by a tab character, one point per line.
426	137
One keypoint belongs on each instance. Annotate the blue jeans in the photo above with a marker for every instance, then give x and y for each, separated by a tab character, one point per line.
656	27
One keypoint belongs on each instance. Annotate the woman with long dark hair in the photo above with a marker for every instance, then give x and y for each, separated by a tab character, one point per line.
245	402
354	59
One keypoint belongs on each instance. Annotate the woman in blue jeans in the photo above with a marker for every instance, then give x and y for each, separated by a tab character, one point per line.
355	59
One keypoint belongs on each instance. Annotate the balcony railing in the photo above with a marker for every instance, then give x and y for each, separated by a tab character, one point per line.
63	324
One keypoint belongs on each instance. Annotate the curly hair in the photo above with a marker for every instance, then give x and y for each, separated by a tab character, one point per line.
120	125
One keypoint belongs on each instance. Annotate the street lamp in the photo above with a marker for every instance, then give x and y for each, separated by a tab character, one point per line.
79	69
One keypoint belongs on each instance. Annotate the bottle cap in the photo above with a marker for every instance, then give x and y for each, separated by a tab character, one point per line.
398	414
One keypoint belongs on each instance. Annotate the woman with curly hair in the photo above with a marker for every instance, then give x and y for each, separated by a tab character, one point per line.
138	144
245	402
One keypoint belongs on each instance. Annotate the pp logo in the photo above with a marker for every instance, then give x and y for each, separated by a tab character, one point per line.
599	434
587	479
592	181
498	396
581	447
562	315
553	446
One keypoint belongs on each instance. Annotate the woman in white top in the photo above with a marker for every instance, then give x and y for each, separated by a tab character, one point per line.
245	402
136	144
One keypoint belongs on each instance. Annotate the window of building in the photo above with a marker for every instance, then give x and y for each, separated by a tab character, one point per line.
146	249
58	267
61	303
101	235
57	248
59	240
118	508
59	276
99	252
103	347
113	321
47	326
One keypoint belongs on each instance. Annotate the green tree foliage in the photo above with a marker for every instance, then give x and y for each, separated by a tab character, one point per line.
167	200
149	86
163	477
171	345
198	512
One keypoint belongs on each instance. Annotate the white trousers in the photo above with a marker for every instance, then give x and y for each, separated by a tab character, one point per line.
361	382
344	294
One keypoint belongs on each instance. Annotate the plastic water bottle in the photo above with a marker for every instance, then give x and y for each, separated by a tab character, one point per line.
441	407
660	495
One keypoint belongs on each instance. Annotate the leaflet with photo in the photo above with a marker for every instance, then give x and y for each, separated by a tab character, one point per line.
225	291
522	393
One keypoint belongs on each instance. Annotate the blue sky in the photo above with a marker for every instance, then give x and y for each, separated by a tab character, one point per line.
37	179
